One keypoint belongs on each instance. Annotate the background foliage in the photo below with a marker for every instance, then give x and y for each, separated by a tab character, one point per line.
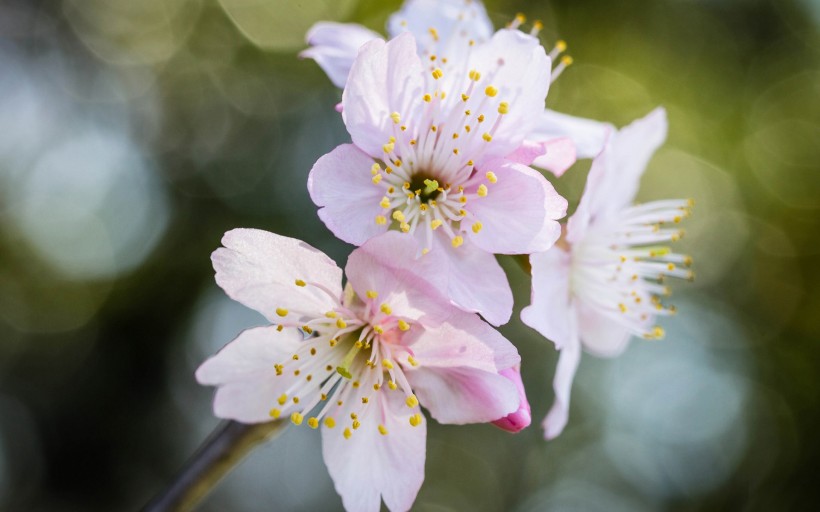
133	134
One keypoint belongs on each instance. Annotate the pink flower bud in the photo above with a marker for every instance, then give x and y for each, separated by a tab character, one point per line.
521	418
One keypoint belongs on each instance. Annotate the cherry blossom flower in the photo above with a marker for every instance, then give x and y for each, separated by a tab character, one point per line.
446	31
356	362
441	160
604	283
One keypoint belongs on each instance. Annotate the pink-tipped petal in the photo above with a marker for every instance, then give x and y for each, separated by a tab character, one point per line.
334	47
370	466
558	156
558	414
550	308
385	78
243	370
340	184
522	417
260	269
519	213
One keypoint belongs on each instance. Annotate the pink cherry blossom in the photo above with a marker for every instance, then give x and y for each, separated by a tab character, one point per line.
604	285
429	158
356	362
446	32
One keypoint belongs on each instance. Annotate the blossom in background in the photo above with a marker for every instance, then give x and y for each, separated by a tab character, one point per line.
440	156
605	283
447	32
358	361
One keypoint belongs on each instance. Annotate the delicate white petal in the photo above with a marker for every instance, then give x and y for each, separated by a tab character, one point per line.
414	286
558	414
519	213
340	184
370	465
334	47
477	282
243	370
385	78
260	269
550	306
600	335
588	135
558	156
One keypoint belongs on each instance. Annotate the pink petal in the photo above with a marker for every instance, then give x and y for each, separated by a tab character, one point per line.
385	78
340	184
415	286
558	156
587	135
243	370
370	466
456	23
334	47
458	377
601	336
477	283
550	308
558	414
521	417
519	213
260	269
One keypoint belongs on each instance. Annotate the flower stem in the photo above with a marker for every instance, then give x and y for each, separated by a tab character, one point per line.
523	261
221	452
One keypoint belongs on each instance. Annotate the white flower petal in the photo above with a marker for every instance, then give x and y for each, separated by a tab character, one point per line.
334	47
550	306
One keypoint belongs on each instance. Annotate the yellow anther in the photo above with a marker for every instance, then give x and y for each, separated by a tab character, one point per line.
377	179
537	26
491	177
474	75
433	58
386	364
347	433
378	329
365	400
404	326
299	282
353	416
281	311
438	73
376	386
381	220
435	223
520	18
282	399
382	430
405	227
433	33
455	136
425	251
279	328
566	60
385	202
392	385
330	422
487	137
399	216
307	329
561	45
434	128
313	351
491	91
480	118
412	401
503	108
658	332
455	151
477	227
457	241
313	422
482	190
333	341
356	424
415	420
372	294
412	142
331	314
341	324
358	344
274	413
356	384
462	199
296	398
395	117
464	98
670	267
385	308
622	307
296	418
427	98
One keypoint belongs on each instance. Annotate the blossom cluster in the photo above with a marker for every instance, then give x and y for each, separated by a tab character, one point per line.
449	138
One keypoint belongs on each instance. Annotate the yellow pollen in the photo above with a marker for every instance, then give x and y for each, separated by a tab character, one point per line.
462	199
392	385
455	151
341	324
330	422
435	223
299	282
385	202
281	311
382	430
358	344
375	169
333	342
470	163
295	357
504	108
432	58
462	213
481	118
438	73
385	308
356	424
395	117
353	415
313	351
491	91
477	227
307	329
296	418
403	325
405	227
474	75
391	139
423	252
380	220
274	413
313	423
377	179
561	45
537	25
399	216
482	190
520	18
671	267
566	60
433	129
455	136
658	332
412	142
415	420
376	387
282	399
378	329
622	307
486	137
464	98
387	364
433	33
365	399
347	433
491	177
356	384
457	241
427	98
297	372
279	328
371	294
331	314
412	401
295	399
467	128
389	147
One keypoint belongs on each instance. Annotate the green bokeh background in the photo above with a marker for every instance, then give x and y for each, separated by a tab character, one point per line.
133	134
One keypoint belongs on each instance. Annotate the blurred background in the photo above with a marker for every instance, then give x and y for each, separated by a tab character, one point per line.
133	134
